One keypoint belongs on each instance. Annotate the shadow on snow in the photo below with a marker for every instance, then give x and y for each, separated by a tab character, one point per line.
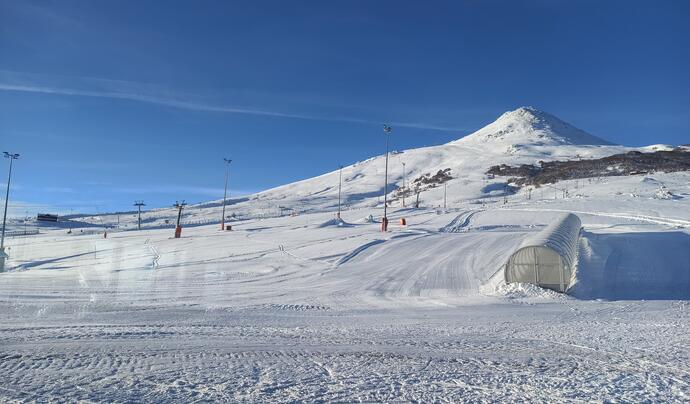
634	266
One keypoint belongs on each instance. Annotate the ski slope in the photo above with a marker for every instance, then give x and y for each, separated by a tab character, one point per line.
285	309
523	136
299	308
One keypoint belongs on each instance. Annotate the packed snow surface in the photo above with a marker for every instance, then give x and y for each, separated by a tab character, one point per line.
294	305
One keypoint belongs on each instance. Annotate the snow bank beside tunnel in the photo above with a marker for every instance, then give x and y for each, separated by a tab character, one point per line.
634	266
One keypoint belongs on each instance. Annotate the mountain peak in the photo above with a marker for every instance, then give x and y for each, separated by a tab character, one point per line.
526	113
530	126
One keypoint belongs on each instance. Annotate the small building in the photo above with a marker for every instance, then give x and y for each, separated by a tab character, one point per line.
46	217
548	258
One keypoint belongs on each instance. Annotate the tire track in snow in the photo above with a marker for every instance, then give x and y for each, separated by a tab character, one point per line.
625	363
156	255
407	364
356	251
393	374
460	223
673	222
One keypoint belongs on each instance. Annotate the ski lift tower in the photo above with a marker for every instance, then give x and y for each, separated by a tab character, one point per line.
138	204
178	228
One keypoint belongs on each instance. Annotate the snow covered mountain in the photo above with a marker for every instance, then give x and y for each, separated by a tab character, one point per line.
528	125
523	136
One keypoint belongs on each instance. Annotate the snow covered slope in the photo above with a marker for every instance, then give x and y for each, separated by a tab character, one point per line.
287	309
525	135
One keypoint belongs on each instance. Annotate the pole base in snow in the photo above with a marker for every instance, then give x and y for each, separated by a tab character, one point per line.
178	231
384	224
3	257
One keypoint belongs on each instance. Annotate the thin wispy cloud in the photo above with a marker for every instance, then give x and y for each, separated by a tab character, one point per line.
141	92
62	190
180	189
21	209
149	99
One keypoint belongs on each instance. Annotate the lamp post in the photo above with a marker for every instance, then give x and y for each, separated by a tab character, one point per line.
70	221
384	222
340	186
403	194
3	255
225	192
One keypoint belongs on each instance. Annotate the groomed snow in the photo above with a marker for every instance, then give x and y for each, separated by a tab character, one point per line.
284	309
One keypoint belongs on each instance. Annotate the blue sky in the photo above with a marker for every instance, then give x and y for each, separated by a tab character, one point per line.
109	102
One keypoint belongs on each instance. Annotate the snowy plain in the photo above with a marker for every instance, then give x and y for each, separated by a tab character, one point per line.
292	306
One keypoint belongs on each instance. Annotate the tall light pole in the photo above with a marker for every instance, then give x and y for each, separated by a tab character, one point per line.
138	204
403	164
225	192
384	222
340	186
3	255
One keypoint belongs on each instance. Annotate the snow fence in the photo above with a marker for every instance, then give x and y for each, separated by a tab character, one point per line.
548	258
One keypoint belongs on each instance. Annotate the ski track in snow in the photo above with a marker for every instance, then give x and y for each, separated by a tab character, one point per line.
460	223
672	222
356	251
